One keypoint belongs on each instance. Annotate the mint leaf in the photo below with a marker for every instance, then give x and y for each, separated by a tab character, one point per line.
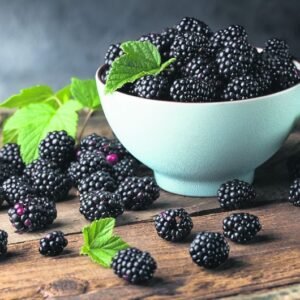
140	59
36	120
99	242
35	94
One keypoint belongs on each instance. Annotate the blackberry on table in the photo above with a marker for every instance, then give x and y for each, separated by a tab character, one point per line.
188	24
138	193
10	154
241	227
32	213
124	168
173	224
6	171
192	89
114	51
100	204
40	165
16	189
293	166
134	265
3	242
53	243
98	181
209	249
294	196
278	47
58	147
240	88
235	194
152	87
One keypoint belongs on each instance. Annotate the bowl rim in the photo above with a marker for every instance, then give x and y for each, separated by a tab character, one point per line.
223	102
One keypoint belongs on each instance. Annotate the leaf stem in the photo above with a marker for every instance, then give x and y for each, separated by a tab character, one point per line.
87	117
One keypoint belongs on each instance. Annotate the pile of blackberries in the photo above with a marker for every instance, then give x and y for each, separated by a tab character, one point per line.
211	66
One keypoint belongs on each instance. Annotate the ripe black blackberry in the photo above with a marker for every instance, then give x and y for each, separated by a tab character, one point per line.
211	75
209	249
6	171
240	88
235	59
51	184
100	204
241	227
98	181
10	154
134	265
195	66
114	51
124	168
114	146
16	189
91	143
173	224
3	242
278	47
152	87
188	24
39	165
104	73
191	89
294	196
293	166
57	146
89	163
138	193
235	194
32	213
53	243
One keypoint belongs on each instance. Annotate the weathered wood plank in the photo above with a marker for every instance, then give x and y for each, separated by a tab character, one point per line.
271	260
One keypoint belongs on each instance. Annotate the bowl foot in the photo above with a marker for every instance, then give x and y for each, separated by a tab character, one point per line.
195	188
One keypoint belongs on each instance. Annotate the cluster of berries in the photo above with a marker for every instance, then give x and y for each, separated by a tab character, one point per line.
211	66
293	165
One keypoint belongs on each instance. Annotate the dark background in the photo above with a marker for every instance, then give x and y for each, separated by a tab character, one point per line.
49	41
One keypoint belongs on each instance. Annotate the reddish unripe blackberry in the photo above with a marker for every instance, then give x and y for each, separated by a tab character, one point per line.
53	243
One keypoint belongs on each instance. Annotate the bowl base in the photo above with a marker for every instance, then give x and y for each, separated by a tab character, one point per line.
195	188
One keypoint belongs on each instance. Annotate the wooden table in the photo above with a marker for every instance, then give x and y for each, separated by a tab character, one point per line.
267	268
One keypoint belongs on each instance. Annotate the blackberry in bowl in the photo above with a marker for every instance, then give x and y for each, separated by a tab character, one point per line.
219	124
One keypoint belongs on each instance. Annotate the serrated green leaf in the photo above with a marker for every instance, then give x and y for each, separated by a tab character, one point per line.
10	136
35	94
140	59
64	94
101	228
85	91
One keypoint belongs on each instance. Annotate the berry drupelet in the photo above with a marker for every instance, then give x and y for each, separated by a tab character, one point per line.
134	265
209	249
138	193
10	154
53	243
294	196
241	227
100	204
3	242
235	194
173	225
58	147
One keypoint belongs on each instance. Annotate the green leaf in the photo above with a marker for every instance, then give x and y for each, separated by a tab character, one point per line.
140	59
36	120
64	94
85	91
35	94
99	242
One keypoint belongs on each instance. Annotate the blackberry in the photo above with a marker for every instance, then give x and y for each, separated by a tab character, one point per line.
3	242
100	204
173	224
240	88
104	73
91	143
235	194
293	166
211	75
134	265
53	243
125	168
98	181
188	24
209	249
191	89
294	196
138	193
16	189
279	48
32	213
39	165
58	147
88	164
241	227
114	51
7	171
114	146
152	87
235	59
195	66
10	154
51	184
